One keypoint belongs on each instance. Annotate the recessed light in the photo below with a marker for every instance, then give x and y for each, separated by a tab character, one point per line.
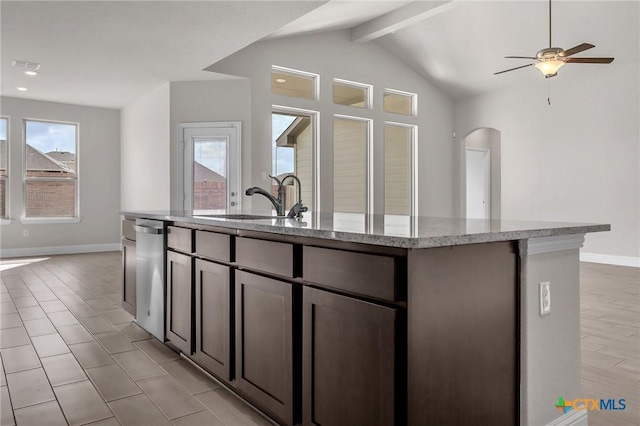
281	80
22	89
31	72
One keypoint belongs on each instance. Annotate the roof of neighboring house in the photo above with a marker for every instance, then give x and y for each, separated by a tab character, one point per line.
38	160
204	174
63	156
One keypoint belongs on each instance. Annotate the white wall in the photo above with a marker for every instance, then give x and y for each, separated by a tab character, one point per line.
145	152
333	55
98	174
207	101
576	160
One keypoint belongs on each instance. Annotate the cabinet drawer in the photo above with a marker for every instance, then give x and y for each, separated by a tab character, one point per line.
180	239
267	256
128	230
213	245
367	274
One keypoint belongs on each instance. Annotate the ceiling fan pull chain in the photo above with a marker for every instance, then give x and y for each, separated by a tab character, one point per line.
549	92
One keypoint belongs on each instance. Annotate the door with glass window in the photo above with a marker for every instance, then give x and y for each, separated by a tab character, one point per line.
211	168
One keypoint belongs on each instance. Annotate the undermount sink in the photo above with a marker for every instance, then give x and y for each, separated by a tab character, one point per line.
240	216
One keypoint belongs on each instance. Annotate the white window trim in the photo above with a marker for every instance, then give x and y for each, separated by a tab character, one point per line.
369	160
315	161
6	220
49	220
314	77
368	88
34	220
413	163
414	101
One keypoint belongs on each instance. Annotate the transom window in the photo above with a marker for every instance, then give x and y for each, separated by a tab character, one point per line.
294	83
51	169
399	102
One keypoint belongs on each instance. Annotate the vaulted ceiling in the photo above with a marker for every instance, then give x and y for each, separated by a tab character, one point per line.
109	53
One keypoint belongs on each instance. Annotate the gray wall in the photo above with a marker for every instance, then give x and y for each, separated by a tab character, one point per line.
209	101
98	173
145	154
333	55
576	160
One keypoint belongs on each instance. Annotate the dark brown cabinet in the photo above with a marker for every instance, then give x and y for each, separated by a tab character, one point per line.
129	266
179	326
264	344
349	359
213	303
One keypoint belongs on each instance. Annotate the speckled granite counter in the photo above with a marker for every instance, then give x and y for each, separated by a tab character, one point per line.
387	230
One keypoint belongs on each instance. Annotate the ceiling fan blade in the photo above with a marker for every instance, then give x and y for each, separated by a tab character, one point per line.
512	69
589	60
519	57
577	49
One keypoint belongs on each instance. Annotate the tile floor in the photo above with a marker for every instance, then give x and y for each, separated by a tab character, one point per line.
71	355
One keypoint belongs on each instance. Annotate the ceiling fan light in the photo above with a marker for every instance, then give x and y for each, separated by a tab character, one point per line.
549	68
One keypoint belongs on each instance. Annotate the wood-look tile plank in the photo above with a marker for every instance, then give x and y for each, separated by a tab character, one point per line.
172	399
189	376
49	345
28	388
63	369
6	410
81	403
45	414
39	327
91	354
138	410
138	365
157	351
10	321
19	358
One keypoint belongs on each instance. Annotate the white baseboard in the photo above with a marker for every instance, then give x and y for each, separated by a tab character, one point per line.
46	251
610	259
572	418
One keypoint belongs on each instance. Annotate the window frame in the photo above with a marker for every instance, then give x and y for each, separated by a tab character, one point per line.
315	81
412	96
50	219
413	165
368	92
6	219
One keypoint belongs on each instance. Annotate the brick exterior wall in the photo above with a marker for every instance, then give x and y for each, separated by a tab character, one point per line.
209	195
50	199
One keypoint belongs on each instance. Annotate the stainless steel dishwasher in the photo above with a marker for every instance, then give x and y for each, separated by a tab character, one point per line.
150	291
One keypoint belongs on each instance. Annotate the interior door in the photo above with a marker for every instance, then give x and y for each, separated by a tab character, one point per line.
211	167
478	183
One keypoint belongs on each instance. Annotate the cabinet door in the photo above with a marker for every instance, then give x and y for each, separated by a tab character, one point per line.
348	361
213	311
179	301
264	346
129	276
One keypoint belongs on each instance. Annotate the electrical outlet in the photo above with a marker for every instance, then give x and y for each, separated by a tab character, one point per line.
545	298
25	233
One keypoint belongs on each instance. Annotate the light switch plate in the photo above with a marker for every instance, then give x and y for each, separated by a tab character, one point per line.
545	298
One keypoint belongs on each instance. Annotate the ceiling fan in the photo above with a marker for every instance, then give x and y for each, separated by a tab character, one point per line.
549	60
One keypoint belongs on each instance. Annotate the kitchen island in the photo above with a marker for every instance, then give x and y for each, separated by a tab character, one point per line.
368	319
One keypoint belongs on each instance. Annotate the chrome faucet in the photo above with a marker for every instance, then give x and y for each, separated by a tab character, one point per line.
295	212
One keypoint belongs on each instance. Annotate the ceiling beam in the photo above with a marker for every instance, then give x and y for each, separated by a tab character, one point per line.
395	20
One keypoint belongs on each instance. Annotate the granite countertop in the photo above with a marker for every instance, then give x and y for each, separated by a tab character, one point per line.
386	230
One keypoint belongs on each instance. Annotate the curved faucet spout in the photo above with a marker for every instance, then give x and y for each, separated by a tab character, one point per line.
274	201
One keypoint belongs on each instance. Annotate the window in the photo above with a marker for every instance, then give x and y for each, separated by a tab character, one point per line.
292	83
292	152
51	184
398	141
399	102
350	164
351	94
4	171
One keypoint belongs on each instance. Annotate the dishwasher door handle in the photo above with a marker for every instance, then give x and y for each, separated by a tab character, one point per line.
147	230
